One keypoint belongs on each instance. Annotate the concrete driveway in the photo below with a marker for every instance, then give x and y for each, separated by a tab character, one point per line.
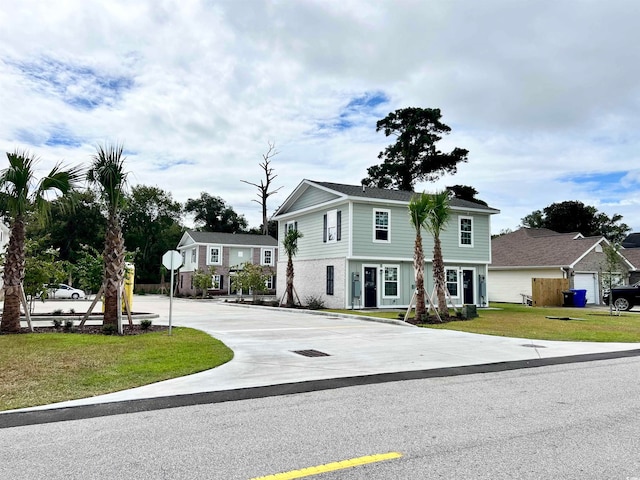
265	341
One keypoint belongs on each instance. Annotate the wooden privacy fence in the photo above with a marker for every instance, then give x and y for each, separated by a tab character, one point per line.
547	292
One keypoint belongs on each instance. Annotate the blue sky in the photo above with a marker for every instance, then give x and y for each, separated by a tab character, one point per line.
544	95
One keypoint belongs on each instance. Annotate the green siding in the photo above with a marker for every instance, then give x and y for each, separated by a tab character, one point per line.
311	196
235	260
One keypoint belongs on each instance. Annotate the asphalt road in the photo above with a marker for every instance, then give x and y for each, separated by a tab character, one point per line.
573	421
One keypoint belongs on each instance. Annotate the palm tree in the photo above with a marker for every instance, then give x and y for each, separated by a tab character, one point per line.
419	209
21	194
108	174
439	213
290	244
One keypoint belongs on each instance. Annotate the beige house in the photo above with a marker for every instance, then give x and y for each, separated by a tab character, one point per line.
529	253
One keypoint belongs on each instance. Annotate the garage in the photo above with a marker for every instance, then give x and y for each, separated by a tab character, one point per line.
588	282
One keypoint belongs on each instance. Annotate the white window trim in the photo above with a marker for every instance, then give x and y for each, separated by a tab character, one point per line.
332	222
388	212
209	249
215	279
384	281
193	257
268	283
262	253
460	244
458	280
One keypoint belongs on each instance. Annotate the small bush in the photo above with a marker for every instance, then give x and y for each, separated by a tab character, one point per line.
314	303
57	323
145	324
68	326
57	311
109	329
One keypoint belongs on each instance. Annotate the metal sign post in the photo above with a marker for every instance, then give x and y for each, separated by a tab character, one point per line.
171	261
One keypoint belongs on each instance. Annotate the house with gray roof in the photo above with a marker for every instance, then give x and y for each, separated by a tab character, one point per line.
225	253
528	253
357	247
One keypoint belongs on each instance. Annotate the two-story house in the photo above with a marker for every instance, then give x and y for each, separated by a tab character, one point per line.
226	253
357	247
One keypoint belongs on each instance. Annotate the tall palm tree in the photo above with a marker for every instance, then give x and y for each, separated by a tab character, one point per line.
20	194
439	213
108	174
419	209
290	244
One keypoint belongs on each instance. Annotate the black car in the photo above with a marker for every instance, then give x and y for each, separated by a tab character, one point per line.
624	297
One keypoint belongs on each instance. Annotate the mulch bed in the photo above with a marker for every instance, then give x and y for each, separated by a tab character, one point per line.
97	330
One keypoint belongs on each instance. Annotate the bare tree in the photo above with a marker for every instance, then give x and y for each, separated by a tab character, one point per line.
263	188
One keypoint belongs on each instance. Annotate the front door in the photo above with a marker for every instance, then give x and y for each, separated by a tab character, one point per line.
370	287
467	287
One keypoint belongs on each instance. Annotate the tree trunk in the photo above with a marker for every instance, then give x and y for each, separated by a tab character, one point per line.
439	277
13	277
289	292
113	268
418	266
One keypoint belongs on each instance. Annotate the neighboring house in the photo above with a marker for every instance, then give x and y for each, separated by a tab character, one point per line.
528	253
226	252
633	256
357	247
631	241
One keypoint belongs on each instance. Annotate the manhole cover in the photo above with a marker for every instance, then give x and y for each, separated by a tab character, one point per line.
311	353
532	345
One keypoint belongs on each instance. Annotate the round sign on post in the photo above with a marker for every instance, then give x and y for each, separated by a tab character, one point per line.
171	260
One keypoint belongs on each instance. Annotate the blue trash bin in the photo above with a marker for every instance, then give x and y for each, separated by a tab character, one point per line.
579	298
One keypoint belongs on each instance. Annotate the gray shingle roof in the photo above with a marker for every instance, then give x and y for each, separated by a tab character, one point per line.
394	195
633	255
530	247
220	238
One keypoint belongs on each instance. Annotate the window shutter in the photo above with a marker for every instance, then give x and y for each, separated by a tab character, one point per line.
221	282
295	226
324	229
339	225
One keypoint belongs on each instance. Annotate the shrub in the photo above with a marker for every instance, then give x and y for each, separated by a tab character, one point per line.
57	311
68	326
109	329
314	303
145	324
57	323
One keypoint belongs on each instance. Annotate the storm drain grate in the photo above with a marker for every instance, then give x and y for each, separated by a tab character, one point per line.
311	353
531	345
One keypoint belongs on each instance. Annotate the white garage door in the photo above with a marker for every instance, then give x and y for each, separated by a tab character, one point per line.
588	282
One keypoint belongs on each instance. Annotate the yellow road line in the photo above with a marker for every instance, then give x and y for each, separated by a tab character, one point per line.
331	467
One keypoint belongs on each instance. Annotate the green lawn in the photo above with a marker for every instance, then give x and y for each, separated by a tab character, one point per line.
514	320
43	368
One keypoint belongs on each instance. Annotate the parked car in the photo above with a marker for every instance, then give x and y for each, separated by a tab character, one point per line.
624	296
61	290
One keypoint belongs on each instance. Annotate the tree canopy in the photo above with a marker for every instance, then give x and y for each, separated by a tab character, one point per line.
414	155
212	214
466	192
574	216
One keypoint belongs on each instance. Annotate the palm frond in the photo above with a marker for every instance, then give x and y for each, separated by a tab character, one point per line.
108	172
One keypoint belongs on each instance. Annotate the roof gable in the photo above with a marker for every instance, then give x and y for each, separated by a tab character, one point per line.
529	247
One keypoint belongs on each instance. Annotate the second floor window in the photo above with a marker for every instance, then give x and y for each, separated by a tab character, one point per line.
214	255
466	231
193	255
332	226
267	257
381	225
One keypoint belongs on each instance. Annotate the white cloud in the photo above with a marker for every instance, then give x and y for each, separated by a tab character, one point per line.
537	91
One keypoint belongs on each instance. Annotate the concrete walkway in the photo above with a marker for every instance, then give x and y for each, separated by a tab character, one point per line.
264	341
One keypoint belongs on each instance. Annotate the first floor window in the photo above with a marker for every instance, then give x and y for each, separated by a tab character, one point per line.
330	274
390	281
216	282
452	281
268	283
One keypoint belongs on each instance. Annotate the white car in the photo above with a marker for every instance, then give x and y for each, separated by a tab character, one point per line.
65	291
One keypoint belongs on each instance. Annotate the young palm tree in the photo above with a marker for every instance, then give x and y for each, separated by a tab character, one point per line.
107	172
21	194
419	209
290	244
438	216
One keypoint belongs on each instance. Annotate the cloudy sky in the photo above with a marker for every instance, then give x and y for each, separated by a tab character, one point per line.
545	95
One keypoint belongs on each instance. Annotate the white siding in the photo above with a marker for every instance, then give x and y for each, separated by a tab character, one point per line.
507	285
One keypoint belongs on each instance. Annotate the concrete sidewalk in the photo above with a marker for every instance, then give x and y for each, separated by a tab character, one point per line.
265	340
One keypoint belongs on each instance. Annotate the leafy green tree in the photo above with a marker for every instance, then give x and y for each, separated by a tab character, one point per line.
251	278
20	194
202	279
75	220
151	226
88	269
290	245
466	192
212	214
419	210
574	216
414	155
108	174
438	216
612	268
42	267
